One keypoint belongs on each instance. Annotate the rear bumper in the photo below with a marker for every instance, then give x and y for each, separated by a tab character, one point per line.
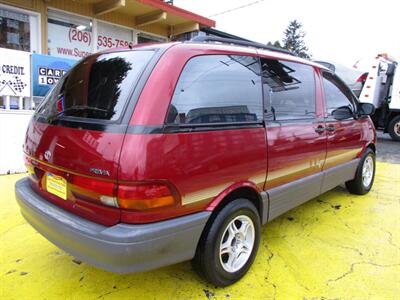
120	248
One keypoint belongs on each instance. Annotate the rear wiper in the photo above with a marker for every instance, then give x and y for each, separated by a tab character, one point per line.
74	108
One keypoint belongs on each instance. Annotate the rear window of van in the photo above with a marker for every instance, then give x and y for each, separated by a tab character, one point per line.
98	87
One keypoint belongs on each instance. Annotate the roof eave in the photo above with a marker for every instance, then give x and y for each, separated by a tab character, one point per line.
179	12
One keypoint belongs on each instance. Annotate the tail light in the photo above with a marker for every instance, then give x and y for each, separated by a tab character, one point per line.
34	173
60	104
136	196
362	78
146	196
93	190
93	185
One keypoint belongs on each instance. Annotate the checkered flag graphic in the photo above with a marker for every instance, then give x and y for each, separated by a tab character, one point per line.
18	85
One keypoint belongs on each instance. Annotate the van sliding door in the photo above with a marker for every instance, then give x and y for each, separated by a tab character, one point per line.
296	139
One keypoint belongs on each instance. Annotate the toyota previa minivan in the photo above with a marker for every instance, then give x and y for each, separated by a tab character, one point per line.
163	153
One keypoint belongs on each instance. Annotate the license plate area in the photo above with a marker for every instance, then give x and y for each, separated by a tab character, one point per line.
56	185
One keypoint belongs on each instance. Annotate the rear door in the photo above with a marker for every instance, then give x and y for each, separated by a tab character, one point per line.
295	134
74	140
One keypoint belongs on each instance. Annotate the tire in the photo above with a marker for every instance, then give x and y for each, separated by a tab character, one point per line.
394	128
223	270
364	179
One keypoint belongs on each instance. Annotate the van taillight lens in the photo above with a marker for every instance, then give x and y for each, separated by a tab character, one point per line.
93	190
136	196
90	184
362	78
145	196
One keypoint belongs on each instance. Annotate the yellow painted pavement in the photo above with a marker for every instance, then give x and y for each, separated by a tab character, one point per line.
338	246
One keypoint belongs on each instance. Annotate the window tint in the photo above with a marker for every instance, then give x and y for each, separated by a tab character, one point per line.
337	94
217	89
97	88
289	90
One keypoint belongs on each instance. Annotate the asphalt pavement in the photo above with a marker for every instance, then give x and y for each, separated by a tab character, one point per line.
388	150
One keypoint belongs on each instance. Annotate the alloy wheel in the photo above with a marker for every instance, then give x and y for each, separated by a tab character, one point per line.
237	243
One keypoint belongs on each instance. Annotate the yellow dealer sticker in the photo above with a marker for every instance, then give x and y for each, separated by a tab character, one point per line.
56	185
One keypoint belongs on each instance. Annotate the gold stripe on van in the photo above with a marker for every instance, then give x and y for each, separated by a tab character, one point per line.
204	194
337	157
211	192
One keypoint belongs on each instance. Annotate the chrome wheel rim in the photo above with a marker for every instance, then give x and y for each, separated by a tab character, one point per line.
397	128
368	171
237	243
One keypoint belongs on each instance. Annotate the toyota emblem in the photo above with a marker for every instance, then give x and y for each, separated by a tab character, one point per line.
47	155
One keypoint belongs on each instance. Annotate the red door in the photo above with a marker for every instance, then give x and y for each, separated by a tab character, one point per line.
343	136
345	140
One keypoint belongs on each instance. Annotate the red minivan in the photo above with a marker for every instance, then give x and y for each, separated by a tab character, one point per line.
163	153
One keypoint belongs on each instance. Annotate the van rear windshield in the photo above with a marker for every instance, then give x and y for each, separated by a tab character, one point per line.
98	87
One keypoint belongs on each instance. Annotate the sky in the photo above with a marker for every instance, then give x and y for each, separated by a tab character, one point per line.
342	31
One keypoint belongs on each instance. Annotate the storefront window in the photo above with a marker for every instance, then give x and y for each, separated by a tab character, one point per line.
69	35
14	30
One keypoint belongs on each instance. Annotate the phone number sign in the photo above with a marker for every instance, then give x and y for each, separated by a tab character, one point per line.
71	42
112	36
76	35
109	42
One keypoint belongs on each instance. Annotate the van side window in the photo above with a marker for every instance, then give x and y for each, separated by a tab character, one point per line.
289	90
218	89
337	94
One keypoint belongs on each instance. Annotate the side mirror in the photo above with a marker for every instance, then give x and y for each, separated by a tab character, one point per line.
366	109
342	113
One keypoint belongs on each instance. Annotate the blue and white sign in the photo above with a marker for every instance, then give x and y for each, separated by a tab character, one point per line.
47	70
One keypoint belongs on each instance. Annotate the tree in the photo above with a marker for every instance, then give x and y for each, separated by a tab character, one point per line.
294	39
276	44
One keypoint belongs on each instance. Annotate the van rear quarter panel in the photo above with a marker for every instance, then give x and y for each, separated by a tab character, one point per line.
200	165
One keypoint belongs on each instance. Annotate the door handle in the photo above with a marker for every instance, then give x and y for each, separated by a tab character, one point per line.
330	128
320	129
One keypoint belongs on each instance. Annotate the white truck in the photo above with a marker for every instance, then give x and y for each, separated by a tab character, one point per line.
382	89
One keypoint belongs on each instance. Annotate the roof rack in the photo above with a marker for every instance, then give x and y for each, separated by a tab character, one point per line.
239	43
